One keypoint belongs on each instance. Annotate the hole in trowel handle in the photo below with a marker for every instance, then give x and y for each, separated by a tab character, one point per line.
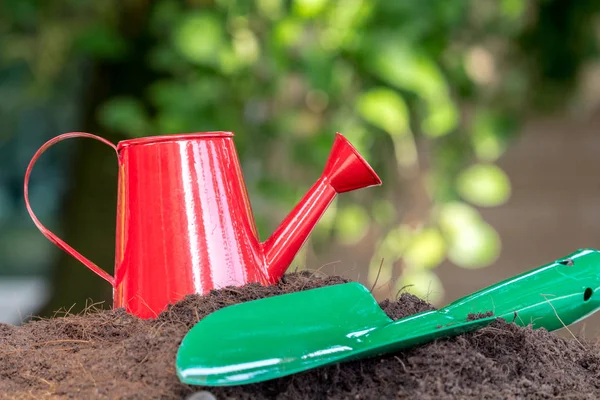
568	262
587	294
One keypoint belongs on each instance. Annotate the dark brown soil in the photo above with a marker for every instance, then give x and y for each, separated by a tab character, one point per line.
112	355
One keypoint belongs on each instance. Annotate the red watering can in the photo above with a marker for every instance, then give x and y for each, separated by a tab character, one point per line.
184	221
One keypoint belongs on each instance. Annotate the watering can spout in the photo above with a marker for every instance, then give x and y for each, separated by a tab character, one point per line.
345	170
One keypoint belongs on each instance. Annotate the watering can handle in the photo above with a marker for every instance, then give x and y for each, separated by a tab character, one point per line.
51	236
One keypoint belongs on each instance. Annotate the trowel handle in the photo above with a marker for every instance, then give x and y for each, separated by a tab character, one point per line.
51	236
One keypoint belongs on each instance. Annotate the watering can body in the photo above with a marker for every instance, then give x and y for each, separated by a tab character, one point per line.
185	223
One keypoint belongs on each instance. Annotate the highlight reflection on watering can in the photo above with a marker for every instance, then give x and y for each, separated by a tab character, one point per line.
184	220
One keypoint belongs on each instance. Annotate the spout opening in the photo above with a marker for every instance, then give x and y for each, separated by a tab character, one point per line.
376	179
346	168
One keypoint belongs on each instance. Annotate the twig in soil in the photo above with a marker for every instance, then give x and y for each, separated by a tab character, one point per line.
383	284
561	321
230	289
429	291
86	372
51	385
377	277
66	313
145	357
92	308
401	289
150	308
489	329
62	341
154	331
328	264
414	371
401	363
47	383
582	330
318	270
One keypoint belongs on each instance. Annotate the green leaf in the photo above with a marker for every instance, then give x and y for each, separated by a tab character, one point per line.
125	115
172	121
200	38
394	243
474	245
427	249
288	32
348	14
102	42
472	242
166	58
385	109
402	66
270	8
484	185
405	150
513	8
164	15
246	46
452	217
187	97
490	133
442	118
352	224
383	211
309	8
487	147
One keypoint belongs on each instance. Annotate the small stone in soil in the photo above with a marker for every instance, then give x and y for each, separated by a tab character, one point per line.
203	395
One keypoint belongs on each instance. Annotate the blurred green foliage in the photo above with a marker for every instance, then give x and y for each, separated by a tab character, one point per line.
431	92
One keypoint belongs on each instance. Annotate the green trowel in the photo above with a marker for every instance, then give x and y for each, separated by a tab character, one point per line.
283	335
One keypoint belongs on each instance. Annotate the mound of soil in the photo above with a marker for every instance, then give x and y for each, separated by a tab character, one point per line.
106	354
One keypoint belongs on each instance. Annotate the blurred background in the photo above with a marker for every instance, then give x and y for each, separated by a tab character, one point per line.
480	116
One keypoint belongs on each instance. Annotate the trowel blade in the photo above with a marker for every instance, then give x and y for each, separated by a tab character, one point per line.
282	335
